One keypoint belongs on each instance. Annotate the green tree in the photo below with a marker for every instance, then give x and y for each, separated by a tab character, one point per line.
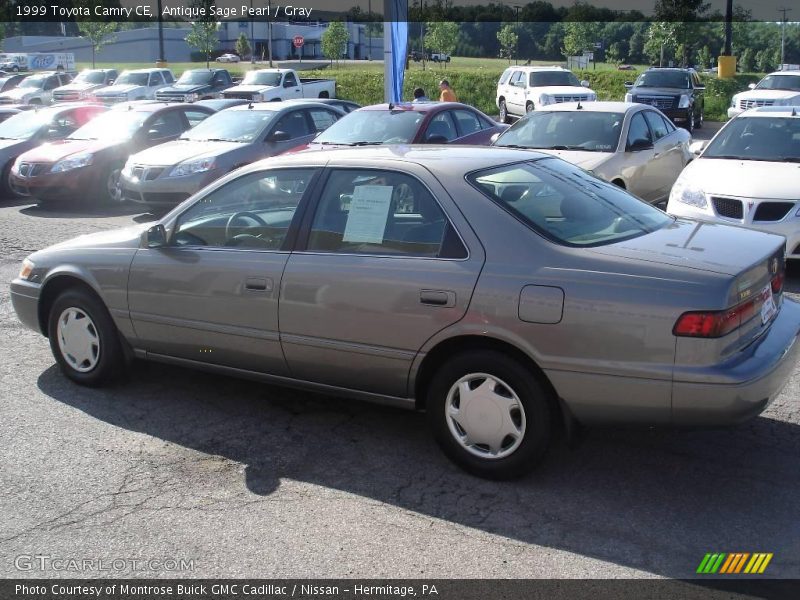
441	36
747	61
508	38
579	36
614	54
98	34
203	36
704	57
662	41
243	45
333	40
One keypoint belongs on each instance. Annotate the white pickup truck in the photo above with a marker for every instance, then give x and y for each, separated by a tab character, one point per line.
139	84
273	85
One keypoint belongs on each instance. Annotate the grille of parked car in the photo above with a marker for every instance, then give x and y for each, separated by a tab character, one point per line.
657	101
242	95
66	96
571	98
31	169
772	211
745	104
728	207
112	97
146	173
172	96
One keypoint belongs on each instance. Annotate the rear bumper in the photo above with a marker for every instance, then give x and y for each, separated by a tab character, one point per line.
25	300
744	386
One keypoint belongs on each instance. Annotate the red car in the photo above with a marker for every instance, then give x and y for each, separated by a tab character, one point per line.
409	123
87	164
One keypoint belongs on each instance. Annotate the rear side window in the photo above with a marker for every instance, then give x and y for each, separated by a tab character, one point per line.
467	122
384	213
322	118
566	204
195	116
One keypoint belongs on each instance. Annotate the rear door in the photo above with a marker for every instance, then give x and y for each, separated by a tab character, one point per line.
668	152
640	170
380	267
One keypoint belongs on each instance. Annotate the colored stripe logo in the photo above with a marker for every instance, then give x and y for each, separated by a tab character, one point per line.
734	563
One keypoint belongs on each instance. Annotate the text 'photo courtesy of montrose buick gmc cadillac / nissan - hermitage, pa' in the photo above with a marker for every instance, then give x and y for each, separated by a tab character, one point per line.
506	292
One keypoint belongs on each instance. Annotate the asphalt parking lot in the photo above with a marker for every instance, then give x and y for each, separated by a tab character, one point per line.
248	480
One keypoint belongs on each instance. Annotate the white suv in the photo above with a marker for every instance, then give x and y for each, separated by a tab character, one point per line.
141	84
781	88
523	89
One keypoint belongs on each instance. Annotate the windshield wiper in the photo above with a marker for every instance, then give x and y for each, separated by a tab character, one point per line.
361	143
560	147
521	147
216	140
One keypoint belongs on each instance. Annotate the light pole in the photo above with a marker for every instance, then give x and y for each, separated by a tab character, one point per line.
252	37
161	62
269	31
783	33
369	22
516	30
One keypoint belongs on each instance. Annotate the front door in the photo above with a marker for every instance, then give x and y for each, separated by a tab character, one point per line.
379	269
211	295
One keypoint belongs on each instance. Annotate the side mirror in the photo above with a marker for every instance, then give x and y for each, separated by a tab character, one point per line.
494	138
436	139
751	86
628	85
279	136
639	145
697	147
156	236
110	82
584	83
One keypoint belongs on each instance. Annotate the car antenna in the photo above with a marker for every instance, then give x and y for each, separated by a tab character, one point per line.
794	111
130	107
391	106
250	105
580	106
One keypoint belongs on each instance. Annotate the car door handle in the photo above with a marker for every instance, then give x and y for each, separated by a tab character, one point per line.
258	284
444	298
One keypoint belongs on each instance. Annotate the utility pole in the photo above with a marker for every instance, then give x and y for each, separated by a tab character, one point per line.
269	31
252	38
369	23
516	30
783	10
162	61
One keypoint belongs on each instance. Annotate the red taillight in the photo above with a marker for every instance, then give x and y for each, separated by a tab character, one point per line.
777	283
712	324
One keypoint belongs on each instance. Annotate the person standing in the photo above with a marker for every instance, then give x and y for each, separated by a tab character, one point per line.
447	93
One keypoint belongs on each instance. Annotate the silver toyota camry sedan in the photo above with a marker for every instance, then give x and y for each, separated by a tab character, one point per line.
506	292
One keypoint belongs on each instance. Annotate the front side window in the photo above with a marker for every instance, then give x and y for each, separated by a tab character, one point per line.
167	125
639	132
252	212
290	80
657	125
294	123
195	116
384	213
566	204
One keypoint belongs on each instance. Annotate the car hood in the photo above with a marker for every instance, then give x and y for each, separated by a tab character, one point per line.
250	88
572	90
767	95
744	178
713	247
128	237
20	93
585	160
79	87
54	151
179	151
665	91
10	144
119	89
186	88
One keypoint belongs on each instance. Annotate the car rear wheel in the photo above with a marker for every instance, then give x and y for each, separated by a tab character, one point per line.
504	112
489	414
83	338
529	107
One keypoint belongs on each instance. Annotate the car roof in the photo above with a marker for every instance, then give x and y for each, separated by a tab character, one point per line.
602	106
794	73
152	107
675	69
275	106
415	106
436	159
772	111
539	68
149	70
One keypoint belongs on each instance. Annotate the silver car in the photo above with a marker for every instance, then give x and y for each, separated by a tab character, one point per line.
631	145
506	292
167	174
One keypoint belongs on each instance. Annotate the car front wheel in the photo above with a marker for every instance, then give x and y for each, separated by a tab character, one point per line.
84	339
504	112
489	414
529	107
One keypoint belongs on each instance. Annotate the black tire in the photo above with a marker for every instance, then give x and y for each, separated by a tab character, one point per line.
6	193
504	118
103	195
529	107
532	395
700	119
110	358
689	121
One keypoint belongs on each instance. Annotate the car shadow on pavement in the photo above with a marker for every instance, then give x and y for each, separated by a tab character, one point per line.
654	500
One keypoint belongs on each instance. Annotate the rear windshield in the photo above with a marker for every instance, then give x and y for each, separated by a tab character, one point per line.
566	204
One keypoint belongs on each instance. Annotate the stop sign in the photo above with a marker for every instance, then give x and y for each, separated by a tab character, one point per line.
298	41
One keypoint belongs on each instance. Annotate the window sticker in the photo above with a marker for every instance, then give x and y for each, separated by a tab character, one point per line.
369	212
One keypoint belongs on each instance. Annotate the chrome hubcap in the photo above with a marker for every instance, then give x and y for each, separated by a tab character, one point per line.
78	340
485	416
113	186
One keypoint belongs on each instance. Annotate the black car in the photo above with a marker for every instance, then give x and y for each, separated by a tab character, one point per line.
196	84
678	93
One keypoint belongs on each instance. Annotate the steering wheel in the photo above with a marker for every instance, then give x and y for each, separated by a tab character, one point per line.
232	229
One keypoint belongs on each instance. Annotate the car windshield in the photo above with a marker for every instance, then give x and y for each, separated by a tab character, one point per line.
260	78
231	126
545	78
566	204
24	125
373	127
195	77
566	130
667	79
758	138
780	82
33	82
116	125
90	77
130	78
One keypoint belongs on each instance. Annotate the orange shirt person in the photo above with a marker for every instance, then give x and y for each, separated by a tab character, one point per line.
447	95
